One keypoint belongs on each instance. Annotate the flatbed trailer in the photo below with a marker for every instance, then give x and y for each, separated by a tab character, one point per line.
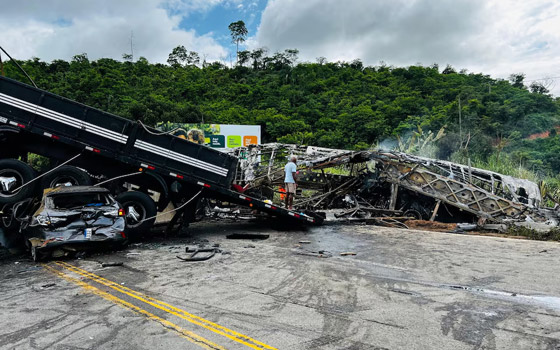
34	121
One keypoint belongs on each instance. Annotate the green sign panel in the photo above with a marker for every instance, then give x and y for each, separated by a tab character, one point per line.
218	141
234	141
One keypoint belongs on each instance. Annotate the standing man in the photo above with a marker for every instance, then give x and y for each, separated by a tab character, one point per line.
290	181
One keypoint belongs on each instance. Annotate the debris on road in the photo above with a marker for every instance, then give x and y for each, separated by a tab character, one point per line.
256	236
347	253
110	264
194	254
317	254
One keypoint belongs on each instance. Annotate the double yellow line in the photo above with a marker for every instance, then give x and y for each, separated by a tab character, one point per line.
170	309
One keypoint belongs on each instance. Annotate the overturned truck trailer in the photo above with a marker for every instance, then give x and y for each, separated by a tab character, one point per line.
388	183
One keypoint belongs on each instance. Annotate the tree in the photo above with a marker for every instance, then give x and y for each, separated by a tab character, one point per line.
238	34
449	70
357	64
256	56
291	55
192	58
517	80
81	58
177	56
538	88
321	60
243	57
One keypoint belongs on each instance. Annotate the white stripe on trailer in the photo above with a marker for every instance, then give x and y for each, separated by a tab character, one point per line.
62	118
180	157
94	129
76	123
47	134
143	145
59	117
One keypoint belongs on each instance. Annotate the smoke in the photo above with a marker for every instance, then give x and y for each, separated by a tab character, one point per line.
419	143
389	144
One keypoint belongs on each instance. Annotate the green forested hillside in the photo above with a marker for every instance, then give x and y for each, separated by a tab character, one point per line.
339	105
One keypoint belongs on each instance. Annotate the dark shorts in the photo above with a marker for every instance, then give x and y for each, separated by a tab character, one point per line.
290	187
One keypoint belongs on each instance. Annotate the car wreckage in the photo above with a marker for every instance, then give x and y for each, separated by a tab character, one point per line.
72	219
384	186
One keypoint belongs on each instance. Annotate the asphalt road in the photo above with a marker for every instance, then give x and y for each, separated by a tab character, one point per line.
402	290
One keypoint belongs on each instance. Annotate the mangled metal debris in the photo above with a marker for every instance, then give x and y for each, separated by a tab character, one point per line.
386	186
71	219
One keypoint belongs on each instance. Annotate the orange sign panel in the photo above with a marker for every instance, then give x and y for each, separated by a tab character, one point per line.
249	140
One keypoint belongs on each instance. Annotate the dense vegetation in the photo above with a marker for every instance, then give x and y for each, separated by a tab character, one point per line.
330	104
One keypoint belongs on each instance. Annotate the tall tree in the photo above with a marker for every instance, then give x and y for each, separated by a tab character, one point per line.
516	80
192	58
238	34
177	56
243	57
257	55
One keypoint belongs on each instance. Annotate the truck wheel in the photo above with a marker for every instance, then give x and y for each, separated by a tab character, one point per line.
13	174
65	175
138	206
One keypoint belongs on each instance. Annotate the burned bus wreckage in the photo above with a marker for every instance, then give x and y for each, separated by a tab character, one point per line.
388	187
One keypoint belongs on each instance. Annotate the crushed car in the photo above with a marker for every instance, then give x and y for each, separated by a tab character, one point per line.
74	219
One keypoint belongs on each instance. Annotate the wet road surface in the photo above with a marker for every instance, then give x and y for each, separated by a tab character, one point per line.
403	289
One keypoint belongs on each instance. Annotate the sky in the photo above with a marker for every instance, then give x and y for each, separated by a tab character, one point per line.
495	37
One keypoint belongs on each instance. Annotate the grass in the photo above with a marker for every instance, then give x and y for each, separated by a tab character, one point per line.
504	164
551	235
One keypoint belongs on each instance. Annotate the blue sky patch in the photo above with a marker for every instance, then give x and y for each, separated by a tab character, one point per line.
218	18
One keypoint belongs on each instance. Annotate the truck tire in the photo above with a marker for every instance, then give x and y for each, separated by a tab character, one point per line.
66	174
138	206
22	173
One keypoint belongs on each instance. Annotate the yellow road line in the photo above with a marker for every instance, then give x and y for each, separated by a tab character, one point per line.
190	336
214	327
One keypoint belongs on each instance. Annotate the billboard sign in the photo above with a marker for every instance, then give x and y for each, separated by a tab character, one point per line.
216	135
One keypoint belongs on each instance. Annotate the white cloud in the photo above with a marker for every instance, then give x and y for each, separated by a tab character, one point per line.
496	37
60	29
